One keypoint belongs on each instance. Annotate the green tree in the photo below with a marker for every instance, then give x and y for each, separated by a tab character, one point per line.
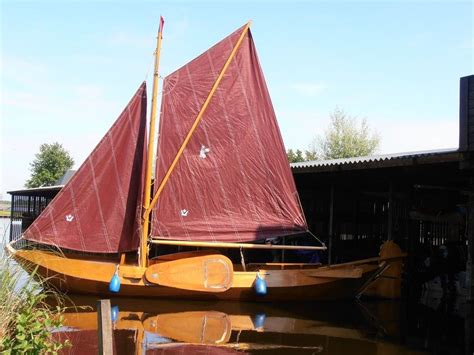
49	165
345	138
298	155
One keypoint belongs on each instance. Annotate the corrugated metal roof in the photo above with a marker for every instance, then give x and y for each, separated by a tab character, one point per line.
36	189
372	158
59	184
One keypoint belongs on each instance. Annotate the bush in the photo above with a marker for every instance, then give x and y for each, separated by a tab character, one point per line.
26	321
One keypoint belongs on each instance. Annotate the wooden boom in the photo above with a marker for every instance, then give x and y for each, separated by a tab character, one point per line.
234	245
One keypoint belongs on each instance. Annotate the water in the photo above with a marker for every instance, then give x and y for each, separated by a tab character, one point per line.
23	277
189	327
4	231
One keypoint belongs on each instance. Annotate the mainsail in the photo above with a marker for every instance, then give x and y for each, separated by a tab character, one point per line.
99	210
233	182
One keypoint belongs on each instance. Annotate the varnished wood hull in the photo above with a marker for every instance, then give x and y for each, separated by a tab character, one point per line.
77	275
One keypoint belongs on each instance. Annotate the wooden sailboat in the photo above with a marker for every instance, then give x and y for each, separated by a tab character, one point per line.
222	181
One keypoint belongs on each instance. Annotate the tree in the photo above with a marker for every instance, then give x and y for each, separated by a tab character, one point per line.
298	156
344	138
49	165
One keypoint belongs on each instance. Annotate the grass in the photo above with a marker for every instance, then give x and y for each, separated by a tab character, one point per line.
26	320
4	213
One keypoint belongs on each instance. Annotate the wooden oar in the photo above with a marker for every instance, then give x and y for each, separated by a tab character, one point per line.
182	255
340	273
202	327
204	273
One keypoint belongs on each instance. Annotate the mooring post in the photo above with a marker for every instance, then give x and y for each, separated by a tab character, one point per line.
104	327
470	243
331	223
390	212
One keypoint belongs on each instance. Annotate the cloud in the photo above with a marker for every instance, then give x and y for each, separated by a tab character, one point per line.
22	71
37	108
404	135
130	39
300	127
309	89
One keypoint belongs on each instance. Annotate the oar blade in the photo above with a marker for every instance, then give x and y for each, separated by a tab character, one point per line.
203	273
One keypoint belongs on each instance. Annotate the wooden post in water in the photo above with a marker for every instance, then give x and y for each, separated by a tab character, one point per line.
104	327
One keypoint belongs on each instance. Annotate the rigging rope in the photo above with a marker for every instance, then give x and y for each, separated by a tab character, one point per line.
319	240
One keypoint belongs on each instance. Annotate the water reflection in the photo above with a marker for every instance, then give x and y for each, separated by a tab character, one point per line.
169	327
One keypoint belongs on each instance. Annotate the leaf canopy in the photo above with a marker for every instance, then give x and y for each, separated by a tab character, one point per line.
49	165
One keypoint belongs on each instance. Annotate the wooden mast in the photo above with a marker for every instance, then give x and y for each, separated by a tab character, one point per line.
143	251
196	122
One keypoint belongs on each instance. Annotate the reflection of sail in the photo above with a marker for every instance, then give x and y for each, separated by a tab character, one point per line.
85	340
180	349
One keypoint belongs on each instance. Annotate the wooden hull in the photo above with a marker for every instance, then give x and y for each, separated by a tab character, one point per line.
73	274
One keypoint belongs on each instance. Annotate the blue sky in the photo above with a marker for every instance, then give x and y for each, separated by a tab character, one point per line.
68	68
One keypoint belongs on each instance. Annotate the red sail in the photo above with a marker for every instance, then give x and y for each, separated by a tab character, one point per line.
233	182
99	210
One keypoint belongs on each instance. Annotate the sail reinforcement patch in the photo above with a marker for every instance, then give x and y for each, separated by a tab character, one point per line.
203	152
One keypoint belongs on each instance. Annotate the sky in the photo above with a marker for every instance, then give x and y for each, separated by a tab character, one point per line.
67	68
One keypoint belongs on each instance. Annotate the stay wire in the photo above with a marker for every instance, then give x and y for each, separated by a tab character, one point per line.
319	240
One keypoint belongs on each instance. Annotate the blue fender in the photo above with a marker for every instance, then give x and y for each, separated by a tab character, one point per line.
260	286
114	285
259	320
114	312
